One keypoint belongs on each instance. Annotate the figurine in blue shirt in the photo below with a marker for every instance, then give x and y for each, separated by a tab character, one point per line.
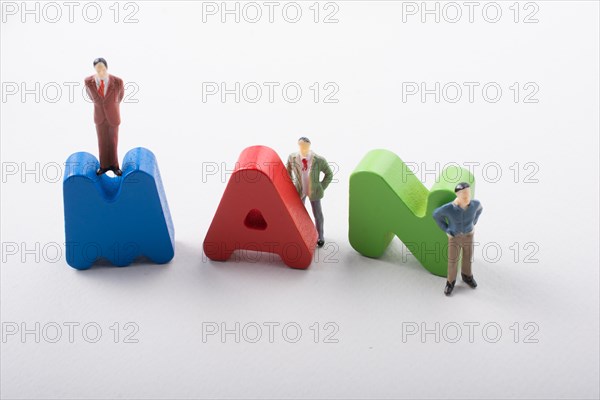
457	219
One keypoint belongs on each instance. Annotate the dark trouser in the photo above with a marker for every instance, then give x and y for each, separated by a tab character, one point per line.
108	138
318	215
455	245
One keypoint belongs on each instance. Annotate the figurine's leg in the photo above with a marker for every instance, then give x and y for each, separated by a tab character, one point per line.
318	214
102	132
467	255
454	245
112	143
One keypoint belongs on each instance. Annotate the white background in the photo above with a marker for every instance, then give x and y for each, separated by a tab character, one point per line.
369	53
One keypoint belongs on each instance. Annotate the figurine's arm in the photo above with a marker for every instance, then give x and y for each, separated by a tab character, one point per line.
440	219
289	168
477	214
88	90
328	174
121	91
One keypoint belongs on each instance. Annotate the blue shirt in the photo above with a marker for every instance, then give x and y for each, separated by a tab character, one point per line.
455	220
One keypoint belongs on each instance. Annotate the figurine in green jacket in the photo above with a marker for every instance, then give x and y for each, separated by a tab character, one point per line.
305	167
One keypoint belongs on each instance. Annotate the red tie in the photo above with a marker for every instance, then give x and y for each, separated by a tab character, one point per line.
101	88
304	164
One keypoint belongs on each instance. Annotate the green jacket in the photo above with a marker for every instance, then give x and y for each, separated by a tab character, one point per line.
317	186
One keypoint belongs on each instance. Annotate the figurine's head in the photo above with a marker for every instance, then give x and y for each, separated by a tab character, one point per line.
101	67
304	145
463	192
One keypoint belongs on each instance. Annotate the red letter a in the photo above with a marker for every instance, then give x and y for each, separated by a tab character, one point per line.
262	211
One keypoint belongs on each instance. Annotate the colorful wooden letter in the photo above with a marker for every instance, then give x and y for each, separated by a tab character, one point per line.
118	218
261	210
387	199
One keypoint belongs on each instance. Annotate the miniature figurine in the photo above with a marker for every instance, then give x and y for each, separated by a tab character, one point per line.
457	219
106	91
304	168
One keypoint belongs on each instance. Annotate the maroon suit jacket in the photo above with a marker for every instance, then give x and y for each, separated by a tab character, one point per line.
106	108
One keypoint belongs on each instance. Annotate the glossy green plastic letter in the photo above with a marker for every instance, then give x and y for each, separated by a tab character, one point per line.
387	199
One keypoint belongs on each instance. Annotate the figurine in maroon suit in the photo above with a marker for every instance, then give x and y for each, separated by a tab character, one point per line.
106	91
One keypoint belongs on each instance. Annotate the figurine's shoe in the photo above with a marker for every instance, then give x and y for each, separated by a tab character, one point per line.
449	288
469	280
117	171
320	243
101	171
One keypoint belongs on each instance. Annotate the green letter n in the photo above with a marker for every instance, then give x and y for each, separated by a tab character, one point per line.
387	199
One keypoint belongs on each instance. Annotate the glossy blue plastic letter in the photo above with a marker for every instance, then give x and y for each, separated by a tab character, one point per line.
116	218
